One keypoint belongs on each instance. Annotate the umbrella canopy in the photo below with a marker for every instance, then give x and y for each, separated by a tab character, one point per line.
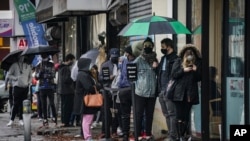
197	30
91	54
10	58
152	25
40	50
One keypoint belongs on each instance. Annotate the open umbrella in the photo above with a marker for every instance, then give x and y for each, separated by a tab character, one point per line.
151	25
91	54
10	58
197	30
40	50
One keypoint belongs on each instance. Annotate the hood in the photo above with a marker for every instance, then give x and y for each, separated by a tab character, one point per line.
84	64
190	47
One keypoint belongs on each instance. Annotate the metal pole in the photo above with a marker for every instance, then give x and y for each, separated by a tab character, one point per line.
27	119
106	120
134	111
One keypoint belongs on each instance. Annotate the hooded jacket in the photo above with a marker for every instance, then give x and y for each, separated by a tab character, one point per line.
187	82
20	73
84	85
65	84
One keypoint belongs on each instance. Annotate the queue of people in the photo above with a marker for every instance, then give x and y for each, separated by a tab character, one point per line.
152	79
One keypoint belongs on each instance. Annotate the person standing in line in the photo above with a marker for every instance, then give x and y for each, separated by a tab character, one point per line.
9	86
111	64
145	88
65	88
125	93
45	73
164	72
85	83
186	72
21	75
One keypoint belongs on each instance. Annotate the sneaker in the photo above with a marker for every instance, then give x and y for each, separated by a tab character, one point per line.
93	125
119	131
10	123
21	122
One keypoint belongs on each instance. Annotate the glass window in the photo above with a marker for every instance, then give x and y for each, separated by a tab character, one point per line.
70	36
235	74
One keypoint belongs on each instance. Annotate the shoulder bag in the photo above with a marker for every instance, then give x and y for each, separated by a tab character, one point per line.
169	93
93	100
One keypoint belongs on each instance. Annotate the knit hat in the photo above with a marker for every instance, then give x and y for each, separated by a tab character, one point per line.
128	49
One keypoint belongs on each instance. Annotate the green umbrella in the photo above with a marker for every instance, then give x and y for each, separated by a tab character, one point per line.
152	25
197	30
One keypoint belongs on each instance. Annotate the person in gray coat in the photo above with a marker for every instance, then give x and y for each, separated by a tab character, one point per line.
187	72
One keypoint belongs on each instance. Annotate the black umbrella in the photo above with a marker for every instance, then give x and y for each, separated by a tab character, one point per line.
40	50
10	58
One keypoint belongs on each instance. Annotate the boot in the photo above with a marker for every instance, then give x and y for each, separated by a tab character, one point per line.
180	130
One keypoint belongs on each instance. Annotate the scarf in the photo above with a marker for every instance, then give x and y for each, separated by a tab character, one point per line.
150	58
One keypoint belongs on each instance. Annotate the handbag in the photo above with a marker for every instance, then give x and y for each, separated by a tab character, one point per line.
169	93
93	100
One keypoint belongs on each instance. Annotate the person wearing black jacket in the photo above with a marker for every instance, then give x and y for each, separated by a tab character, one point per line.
85	84
186	72
164	71
65	88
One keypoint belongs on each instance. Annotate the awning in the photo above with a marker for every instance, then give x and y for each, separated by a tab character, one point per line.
81	7
44	12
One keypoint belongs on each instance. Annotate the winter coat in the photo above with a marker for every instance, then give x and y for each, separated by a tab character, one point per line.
169	64
145	86
84	84
65	84
187	82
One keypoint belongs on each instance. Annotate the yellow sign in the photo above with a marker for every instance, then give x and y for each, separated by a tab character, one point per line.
1	41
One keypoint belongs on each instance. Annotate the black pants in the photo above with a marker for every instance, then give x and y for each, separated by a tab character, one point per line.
146	104
66	107
39	105
44	93
125	104
19	94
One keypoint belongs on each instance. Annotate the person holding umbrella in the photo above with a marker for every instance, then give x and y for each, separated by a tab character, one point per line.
145	88
21	75
45	73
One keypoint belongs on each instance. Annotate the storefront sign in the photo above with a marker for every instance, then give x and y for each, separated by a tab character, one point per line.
22	43
6	27
34	32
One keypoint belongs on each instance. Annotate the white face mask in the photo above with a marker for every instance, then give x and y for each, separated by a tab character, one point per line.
190	57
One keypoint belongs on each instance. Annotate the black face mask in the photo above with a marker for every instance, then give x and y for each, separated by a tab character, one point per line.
148	50
164	51
114	60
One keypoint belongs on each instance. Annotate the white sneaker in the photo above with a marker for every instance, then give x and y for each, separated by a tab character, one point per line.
10	123
21	122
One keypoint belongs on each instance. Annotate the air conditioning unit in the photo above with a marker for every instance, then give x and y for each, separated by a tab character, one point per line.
53	33
119	15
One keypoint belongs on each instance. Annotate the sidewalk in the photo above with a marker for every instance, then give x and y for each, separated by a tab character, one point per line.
53	133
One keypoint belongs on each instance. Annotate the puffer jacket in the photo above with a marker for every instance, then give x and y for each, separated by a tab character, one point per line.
187	82
145	86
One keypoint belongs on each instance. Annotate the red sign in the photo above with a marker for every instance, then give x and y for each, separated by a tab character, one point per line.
22	43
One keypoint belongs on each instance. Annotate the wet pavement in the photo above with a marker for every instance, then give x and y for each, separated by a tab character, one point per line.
39	133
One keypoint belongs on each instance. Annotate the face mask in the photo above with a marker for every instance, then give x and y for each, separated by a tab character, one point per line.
164	51
114	60
190	57
45	59
119	66
148	50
